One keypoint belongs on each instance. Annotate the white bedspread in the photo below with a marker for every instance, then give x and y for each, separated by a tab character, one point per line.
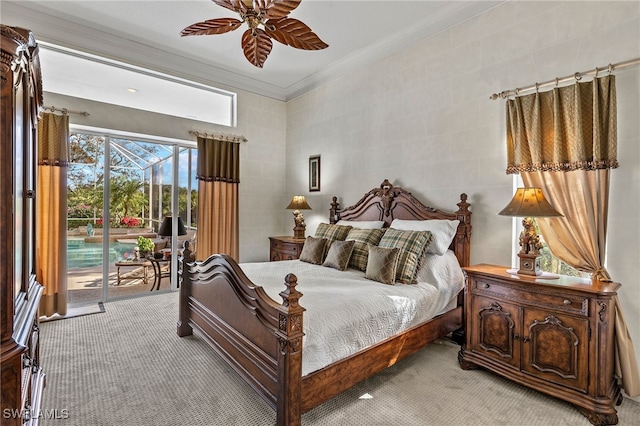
346	312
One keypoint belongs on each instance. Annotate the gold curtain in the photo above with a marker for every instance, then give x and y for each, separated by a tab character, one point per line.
51	212
219	178
565	141
578	238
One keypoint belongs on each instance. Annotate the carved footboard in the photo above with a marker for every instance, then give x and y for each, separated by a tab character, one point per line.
259	338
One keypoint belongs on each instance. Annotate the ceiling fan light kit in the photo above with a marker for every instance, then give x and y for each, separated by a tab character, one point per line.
267	19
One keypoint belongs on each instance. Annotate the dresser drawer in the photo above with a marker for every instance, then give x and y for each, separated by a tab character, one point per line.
533	296
286	248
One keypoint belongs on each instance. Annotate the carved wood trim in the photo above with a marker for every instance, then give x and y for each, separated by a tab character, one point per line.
388	202
602	312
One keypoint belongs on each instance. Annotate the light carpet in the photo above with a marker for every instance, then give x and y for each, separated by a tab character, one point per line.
127	366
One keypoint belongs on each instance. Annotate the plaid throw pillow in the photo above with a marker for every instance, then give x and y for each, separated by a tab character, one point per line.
362	238
313	250
412	245
332	232
382	264
339	254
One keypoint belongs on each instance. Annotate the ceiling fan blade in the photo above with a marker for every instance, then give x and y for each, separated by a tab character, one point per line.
275	9
212	26
229	4
294	33
256	47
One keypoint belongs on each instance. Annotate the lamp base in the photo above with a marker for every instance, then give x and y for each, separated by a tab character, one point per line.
298	234
529	264
300	226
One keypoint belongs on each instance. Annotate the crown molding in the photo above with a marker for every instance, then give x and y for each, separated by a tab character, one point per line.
451	14
74	35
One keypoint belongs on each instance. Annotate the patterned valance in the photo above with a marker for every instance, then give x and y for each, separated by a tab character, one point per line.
568	128
53	140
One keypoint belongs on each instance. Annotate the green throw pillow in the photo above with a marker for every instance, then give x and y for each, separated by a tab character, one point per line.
412	245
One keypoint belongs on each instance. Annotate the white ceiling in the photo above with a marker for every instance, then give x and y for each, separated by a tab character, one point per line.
147	34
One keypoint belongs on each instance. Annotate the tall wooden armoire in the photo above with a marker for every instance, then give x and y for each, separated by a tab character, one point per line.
21	377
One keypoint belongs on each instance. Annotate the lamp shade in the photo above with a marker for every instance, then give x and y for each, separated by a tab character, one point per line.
529	202
167	226
298	202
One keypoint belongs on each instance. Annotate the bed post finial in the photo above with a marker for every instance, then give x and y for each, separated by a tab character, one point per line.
291	295
184	272
334	217
463	206
463	234
187	254
289	393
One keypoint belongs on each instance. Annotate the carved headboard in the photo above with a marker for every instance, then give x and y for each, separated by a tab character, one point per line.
389	202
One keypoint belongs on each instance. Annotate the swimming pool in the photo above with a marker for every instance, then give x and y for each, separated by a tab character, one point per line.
81	254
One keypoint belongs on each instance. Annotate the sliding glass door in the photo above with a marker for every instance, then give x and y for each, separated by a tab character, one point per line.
114	209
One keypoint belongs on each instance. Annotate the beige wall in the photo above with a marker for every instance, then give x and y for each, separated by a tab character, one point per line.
262	158
423	119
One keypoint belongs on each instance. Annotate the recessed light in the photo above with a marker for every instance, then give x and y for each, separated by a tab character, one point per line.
132	90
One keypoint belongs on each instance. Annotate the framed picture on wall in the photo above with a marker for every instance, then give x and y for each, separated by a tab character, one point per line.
314	173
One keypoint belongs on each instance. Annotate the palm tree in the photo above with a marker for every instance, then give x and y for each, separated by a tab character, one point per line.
127	197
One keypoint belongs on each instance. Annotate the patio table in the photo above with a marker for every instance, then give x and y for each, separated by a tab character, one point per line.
142	263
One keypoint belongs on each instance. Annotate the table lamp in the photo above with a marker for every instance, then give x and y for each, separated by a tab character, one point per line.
167	227
529	202
298	202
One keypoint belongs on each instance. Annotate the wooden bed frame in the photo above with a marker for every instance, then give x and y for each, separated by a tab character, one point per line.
262	339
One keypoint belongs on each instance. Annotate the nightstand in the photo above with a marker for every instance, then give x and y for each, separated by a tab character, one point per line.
285	248
553	335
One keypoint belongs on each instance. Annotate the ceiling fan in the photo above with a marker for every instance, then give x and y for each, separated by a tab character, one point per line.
267	19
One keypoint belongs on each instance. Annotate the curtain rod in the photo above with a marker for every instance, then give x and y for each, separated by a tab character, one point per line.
65	111
218	136
577	76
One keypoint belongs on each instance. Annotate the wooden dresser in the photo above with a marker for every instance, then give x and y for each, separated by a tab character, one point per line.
553	335
21	377
285	248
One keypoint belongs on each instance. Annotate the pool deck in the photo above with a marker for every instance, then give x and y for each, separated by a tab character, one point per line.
84	285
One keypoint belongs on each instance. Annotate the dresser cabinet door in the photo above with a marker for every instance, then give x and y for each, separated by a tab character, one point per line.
496	330
555	348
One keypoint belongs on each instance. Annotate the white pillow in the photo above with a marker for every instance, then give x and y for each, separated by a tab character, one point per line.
443	231
443	272
362	224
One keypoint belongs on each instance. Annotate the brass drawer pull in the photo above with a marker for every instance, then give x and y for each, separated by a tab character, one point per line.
567	302
485	285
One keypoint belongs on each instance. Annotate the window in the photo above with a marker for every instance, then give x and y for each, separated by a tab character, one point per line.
85	76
